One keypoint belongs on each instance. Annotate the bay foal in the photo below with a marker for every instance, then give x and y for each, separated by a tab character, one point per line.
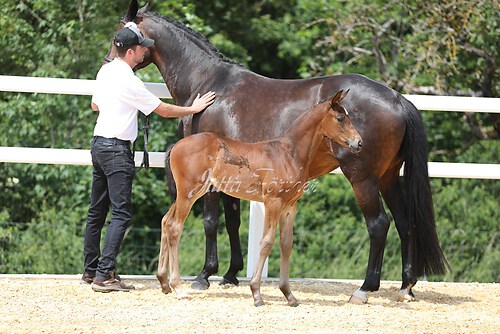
274	172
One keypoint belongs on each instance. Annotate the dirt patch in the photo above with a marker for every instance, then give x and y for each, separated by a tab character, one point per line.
63	305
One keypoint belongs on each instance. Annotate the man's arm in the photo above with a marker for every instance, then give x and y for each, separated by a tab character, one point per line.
199	104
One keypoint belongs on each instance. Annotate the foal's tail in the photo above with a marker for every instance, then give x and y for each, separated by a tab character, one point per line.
170	177
426	251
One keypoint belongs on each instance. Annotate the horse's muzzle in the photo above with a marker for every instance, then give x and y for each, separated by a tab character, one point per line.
355	145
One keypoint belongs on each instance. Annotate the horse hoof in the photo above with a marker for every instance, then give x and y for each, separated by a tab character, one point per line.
258	303
166	290
405	297
293	303
197	285
225	282
359	297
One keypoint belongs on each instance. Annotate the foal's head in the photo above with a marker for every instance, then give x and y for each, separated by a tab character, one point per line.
337	125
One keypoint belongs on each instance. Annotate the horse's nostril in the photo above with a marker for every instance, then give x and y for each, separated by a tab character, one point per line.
360	144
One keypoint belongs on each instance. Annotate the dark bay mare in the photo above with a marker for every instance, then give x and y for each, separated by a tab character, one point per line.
249	171
250	108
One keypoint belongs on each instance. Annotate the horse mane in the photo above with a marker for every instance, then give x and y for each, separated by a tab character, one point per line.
199	37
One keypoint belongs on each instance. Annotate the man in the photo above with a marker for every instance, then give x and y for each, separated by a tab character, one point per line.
118	96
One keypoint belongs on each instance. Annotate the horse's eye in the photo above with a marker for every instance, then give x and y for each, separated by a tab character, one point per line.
340	118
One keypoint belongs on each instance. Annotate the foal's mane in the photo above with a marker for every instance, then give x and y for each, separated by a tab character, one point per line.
306	113
199	37
317	104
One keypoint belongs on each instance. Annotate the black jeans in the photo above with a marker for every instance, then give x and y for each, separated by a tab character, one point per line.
112	178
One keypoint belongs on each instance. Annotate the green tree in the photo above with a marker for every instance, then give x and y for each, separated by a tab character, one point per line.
250	33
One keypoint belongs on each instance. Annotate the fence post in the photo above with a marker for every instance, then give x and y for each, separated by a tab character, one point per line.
257	214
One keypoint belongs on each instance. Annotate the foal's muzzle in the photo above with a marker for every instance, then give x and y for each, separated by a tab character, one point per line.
355	145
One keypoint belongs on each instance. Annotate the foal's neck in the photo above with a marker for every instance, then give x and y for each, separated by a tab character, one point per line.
305	135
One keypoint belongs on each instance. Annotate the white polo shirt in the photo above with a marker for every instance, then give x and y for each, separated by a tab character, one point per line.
119	94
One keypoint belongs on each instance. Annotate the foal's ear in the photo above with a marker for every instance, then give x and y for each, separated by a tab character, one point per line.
339	96
344	94
133	7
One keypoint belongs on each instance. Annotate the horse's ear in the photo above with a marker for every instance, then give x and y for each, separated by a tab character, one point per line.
337	97
133	7
143	9
344	94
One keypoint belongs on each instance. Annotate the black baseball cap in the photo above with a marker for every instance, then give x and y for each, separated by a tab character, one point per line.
130	35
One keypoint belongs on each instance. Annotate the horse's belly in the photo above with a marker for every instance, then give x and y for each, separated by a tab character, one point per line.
237	186
252	187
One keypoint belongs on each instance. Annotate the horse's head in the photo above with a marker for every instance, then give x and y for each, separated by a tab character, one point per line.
337	125
133	15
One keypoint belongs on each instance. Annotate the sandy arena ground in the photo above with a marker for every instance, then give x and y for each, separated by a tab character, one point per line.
54	304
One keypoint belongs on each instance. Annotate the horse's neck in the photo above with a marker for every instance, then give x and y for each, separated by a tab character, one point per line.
182	86
304	136
187	64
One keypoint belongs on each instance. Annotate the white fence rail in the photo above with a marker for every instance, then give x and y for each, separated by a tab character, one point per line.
58	156
85	87
63	86
82	157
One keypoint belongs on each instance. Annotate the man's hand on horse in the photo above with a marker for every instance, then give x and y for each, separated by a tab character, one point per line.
200	103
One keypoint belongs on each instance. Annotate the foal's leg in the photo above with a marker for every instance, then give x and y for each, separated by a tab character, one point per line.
377	223
273	211
174	232
162	273
210	223
394	198
286	243
233	222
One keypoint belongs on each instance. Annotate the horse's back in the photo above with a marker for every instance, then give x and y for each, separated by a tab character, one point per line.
254	108
251	107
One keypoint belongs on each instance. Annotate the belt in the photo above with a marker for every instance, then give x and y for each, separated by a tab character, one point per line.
114	141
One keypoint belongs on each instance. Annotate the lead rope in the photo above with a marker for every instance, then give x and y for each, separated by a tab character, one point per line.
145	132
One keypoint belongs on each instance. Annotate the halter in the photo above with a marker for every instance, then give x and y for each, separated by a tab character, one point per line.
107	59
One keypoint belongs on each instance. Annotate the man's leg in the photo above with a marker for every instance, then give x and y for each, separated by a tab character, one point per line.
120	175
98	209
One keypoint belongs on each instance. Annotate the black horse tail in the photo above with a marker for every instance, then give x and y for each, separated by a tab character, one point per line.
426	251
168	173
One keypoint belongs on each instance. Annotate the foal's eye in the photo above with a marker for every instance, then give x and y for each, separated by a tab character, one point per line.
340	118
